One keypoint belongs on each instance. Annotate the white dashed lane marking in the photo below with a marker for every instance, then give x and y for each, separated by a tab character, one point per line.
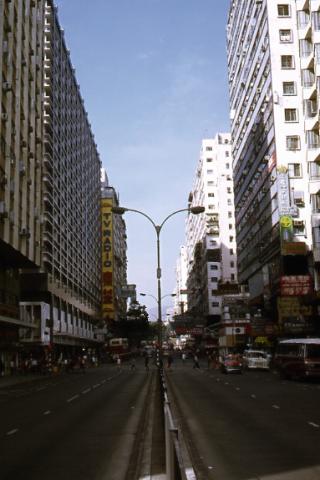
46	412
276	407
312	424
72	398
12	432
87	390
253	396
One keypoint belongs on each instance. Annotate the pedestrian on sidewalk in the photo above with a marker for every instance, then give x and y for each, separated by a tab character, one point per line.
195	361
183	356
133	364
119	362
169	361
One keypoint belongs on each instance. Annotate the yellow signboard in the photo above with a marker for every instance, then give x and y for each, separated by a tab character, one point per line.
107	260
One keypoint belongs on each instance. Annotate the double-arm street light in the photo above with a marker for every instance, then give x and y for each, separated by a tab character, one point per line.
195	211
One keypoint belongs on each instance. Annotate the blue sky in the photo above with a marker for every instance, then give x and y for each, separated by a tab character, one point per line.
154	80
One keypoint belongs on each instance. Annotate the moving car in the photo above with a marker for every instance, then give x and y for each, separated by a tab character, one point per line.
231	364
256	360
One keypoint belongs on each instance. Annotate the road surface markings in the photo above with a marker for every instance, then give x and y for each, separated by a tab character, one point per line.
72	398
97	385
315	425
47	412
237	388
276	407
87	390
12	432
253	396
103	381
226	383
41	388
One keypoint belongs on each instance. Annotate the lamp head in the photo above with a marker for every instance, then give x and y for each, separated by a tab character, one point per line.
197	209
119	210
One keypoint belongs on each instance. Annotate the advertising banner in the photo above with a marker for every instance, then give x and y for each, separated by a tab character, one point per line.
107	260
296	285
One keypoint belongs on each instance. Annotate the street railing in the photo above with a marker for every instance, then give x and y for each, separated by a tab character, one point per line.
176	468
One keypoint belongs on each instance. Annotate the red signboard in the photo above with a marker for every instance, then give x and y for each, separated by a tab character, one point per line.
295	285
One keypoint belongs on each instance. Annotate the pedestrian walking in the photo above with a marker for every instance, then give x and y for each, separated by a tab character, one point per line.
169	361
183	356
133	364
195	361
146	362
119	362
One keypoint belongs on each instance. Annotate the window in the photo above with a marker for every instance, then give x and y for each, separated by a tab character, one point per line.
211	207
305	48
298	198
230	226
209	171
293	142
283	10
232	264
231	239
213	243
229	201
231	251
294	170
316	21
312	137
214	279
227	165
317	52
289	88
227	154
213	267
315	202
215	304
211	194
229	215
287	62
285	36
308	78
210	183
209	159
303	18
310	108
208	149
290	115
314	170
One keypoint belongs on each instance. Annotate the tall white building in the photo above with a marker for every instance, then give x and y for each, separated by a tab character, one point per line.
181	298
274	79
210	237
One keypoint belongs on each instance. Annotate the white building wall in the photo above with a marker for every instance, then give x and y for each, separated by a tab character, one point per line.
213	188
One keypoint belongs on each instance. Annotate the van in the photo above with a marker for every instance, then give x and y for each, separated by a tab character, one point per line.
298	358
256	360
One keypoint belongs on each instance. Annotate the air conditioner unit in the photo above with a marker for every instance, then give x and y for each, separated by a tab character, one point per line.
4	116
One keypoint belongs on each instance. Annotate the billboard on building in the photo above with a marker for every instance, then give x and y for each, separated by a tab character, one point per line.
296	285
107	260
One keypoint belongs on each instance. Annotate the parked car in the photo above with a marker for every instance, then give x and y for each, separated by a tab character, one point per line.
231	364
256	360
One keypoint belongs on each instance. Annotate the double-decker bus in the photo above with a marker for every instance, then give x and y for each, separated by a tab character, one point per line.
118	347
298	358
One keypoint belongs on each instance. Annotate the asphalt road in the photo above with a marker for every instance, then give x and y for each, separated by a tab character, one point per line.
250	426
73	426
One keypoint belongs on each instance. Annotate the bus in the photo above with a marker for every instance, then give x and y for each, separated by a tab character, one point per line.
118	347
298	358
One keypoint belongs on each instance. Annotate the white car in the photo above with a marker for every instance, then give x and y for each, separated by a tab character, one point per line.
256	359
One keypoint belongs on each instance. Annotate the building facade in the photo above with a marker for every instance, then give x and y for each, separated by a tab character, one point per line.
114	257
210	237
50	224
273	66
180	305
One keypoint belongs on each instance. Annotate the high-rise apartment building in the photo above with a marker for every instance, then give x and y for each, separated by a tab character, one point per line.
50	224
273	63
114	256
181	297
210	237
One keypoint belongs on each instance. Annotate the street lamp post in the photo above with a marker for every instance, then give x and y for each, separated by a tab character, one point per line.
195	211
